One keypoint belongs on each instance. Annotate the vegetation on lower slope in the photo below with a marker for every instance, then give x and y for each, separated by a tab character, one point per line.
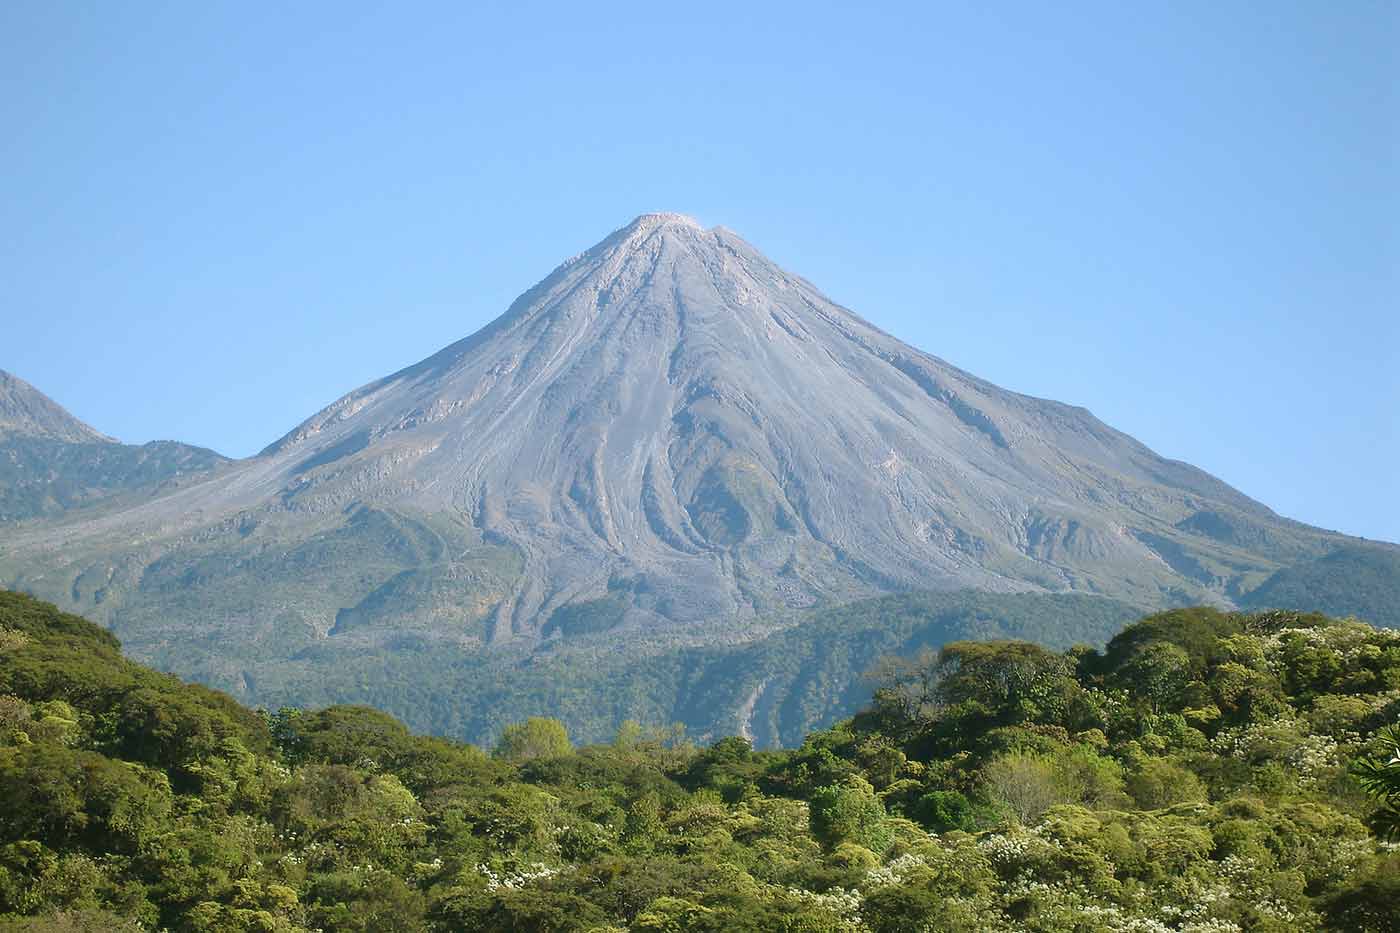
47	476
806	674
1205	772
1361	581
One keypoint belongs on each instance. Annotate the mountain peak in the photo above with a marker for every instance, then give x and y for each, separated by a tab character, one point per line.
27	412
665	438
653	221
671	411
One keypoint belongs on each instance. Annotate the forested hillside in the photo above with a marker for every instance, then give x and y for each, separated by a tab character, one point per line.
1205	772
805	673
44	476
51	462
1354	581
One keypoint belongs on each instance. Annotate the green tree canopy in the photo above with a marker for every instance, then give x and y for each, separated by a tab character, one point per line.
536	737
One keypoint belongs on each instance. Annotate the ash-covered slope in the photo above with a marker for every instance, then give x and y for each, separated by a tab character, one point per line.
669	429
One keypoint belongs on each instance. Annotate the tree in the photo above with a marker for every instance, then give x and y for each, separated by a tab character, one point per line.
373	901
644	827
67	797
1367	904
1197	631
1157	783
899	909
944	810
1024	783
674	915
73	921
1157	673
1088	779
850	812
1380	776
906	689
1015	681
536	737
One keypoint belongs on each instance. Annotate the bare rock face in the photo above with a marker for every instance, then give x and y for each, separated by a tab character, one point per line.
667	431
27	412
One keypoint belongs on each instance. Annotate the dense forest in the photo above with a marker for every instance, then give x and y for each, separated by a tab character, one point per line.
1204	772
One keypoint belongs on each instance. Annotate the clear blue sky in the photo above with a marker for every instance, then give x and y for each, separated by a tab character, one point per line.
1183	216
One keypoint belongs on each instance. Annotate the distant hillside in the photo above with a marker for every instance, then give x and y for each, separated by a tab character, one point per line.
51	463
806	673
1355	581
46	477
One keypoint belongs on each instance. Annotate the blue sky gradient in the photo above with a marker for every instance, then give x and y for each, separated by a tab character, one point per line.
220	217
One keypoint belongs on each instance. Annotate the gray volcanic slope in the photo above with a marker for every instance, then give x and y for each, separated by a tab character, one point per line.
667	432
27	412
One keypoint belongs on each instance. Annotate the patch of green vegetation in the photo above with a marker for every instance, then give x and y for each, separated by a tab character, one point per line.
1204	772
1357	580
587	618
373	556
811	668
735	500
44	476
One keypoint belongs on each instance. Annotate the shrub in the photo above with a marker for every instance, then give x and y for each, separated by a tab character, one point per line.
1157	783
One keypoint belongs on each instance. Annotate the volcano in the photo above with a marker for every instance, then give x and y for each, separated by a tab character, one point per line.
667	436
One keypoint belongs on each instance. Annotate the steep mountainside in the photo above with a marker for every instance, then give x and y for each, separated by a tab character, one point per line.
667	436
27	412
51	462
